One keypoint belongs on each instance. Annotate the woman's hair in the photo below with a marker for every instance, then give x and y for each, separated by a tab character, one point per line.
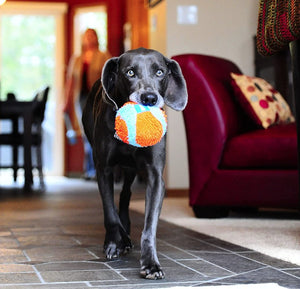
94	33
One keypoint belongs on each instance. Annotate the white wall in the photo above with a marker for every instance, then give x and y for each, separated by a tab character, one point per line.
225	28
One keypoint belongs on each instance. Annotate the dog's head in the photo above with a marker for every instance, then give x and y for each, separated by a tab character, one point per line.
144	76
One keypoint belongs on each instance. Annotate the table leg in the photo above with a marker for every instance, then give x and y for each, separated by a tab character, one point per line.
15	122
27	142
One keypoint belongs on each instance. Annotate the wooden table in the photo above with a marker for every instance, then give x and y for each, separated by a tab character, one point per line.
13	110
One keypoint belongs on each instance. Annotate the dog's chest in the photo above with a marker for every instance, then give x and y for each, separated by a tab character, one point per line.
125	156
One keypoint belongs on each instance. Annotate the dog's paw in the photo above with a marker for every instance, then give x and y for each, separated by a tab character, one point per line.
113	251
153	272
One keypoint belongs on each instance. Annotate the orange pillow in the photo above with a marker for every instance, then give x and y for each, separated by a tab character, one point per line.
262	102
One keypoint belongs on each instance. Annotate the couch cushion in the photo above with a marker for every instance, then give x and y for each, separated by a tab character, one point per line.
261	101
275	147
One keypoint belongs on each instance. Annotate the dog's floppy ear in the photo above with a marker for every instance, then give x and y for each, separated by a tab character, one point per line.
109	74
176	92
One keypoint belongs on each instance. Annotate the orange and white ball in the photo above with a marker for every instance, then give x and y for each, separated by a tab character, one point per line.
140	125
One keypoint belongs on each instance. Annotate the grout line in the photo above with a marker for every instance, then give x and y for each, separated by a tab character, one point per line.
49	283
35	270
76	241
91	253
26	255
234	253
178	248
234	275
199	258
39	275
255	261
142	285
106	264
185	266
116	271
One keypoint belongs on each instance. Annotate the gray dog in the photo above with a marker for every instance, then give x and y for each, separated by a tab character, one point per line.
146	77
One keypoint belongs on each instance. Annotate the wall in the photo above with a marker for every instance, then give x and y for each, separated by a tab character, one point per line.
225	28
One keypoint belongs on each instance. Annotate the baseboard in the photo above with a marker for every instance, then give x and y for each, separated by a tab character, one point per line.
177	193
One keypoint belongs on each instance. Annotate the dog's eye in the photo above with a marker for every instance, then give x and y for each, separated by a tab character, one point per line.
130	73
159	73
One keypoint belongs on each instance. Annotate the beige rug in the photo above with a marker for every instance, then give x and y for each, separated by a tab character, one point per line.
278	238
250	286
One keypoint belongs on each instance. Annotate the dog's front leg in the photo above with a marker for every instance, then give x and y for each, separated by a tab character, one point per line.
150	266
116	240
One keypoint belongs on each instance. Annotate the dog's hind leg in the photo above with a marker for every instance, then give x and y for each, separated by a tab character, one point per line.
129	175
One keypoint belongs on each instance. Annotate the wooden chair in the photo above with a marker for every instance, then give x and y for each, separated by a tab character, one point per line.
16	138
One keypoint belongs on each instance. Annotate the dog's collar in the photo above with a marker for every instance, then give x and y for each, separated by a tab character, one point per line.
109	98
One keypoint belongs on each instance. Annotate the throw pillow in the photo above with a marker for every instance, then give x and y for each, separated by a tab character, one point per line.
262	102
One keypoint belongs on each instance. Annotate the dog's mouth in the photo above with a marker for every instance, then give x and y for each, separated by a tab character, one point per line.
147	98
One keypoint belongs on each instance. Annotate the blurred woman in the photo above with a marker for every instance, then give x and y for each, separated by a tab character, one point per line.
83	71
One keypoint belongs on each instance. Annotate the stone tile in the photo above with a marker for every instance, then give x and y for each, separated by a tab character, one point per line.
36	230
225	245
55	241
205	268
173	252
294	272
192	244
73	285
45	240
54	254
264	275
12	256
8	243
231	262
128	261
276	263
15	278
84	229
89	240
4	233
16	268
144	284
69	266
80	275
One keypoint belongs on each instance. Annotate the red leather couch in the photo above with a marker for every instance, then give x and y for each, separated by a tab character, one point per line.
232	162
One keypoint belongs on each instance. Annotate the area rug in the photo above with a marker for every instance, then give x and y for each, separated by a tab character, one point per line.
249	286
278	238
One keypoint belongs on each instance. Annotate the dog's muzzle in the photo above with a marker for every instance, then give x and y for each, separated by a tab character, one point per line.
147	98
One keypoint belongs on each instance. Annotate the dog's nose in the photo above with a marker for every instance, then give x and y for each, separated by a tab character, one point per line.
148	99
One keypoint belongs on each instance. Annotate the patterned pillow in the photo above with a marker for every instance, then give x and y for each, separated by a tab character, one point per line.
262	102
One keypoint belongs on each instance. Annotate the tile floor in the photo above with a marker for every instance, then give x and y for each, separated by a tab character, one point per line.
54	240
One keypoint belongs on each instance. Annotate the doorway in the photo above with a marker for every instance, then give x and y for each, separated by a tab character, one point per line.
31	56
94	17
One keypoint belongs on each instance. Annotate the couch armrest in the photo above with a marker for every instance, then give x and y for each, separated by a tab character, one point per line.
211	115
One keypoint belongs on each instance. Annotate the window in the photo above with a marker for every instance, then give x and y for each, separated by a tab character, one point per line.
27	62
